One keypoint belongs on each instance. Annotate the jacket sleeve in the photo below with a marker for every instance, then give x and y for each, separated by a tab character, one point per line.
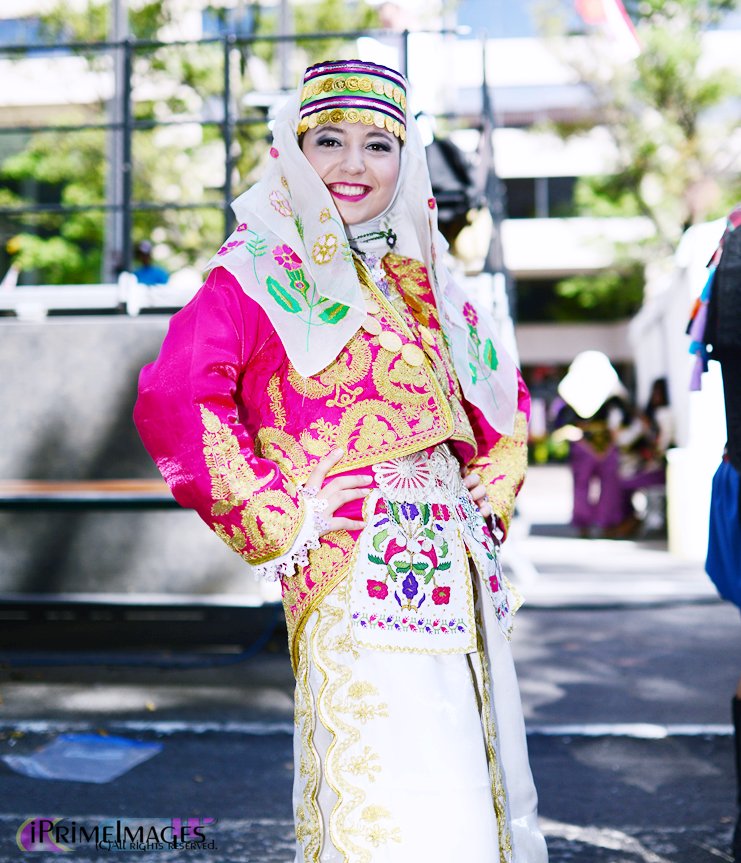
201	437
502	459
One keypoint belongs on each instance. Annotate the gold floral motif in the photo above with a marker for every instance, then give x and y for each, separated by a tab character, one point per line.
503	469
324	248
327	569
232	479
276	402
271	521
367	763
373	434
339	378
401	384
355	824
411	279
284	450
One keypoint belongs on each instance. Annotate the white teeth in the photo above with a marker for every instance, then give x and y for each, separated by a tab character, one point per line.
348	190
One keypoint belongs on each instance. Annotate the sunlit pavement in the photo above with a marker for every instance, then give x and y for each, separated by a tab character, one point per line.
627	662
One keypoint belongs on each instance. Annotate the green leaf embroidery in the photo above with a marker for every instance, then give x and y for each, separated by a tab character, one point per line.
474	374
444	549
403	565
375	559
298	282
298	222
378	540
420	567
282	297
334	313
428	576
490	355
256	247
444	565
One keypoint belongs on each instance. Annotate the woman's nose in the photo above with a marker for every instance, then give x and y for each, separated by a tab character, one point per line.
354	162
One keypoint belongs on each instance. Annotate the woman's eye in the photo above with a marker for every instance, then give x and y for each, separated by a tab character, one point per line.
378	146
328	142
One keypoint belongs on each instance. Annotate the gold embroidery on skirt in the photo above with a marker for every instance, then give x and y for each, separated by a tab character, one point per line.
498	791
309	828
354	825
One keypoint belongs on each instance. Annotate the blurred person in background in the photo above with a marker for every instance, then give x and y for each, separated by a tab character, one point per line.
597	420
146	272
345	420
715	329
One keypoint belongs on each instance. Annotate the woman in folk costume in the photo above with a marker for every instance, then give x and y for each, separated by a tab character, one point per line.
344	419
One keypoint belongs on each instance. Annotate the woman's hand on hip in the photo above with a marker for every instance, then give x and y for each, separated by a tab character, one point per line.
473	483
337	492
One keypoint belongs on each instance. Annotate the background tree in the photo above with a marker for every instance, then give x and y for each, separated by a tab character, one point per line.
177	157
671	115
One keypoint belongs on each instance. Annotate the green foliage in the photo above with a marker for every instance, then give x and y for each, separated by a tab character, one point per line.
665	114
180	164
330	16
669	119
607	295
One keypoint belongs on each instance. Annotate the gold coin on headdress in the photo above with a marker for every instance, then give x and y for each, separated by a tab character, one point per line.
371	306
372	325
352	83
390	341
388	89
412	354
365	85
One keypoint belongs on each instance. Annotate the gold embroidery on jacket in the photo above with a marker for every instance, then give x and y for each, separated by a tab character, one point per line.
503	469
276	402
232	479
339	378
280	447
270	519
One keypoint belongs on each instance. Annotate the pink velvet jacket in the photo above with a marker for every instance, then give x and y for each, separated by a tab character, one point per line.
233	428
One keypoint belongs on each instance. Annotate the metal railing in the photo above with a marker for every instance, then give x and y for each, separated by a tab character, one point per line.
230	121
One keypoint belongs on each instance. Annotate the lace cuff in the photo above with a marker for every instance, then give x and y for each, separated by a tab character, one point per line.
313	525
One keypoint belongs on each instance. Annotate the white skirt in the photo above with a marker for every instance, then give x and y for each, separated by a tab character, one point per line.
403	757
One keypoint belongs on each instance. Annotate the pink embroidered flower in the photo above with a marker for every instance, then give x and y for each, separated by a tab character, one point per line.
469	313
441	595
377	589
431	203
440	512
286	257
242	226
324	215
274	153
493	583
228	247
280	204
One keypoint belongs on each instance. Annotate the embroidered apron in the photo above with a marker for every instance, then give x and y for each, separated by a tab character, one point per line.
411	587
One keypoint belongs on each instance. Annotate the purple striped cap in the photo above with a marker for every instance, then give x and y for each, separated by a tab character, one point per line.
353	91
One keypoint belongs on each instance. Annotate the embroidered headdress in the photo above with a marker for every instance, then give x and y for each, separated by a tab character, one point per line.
292	253
354	92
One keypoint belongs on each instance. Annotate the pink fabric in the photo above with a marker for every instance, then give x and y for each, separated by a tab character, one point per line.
221	352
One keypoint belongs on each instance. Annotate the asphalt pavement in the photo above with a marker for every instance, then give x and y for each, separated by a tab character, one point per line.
627	662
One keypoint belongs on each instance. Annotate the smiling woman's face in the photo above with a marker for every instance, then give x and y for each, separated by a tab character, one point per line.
358	164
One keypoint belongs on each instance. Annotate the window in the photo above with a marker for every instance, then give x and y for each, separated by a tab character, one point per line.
540	197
